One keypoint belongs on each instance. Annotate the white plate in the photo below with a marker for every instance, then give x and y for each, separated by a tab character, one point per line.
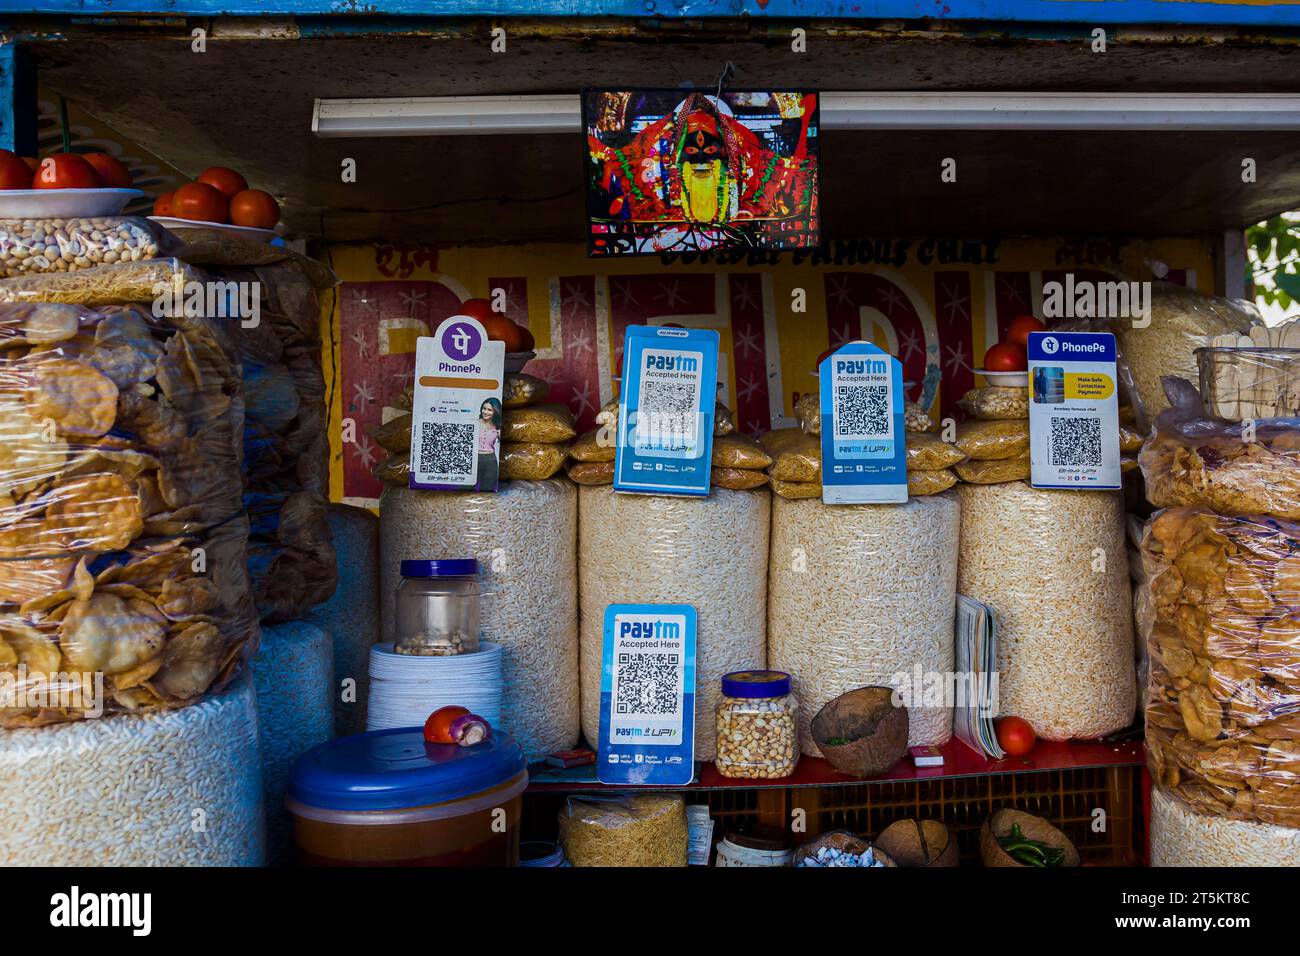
248	232
64	203
1005	379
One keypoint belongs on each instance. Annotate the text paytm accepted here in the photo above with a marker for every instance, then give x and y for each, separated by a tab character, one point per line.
1073	411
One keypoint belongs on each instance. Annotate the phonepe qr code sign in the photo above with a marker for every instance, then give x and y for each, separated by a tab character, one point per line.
1073	411
647	694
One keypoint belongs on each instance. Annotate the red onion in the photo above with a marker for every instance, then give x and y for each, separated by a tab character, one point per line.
470	729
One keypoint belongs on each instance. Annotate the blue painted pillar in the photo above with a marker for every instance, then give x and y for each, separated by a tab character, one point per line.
17	99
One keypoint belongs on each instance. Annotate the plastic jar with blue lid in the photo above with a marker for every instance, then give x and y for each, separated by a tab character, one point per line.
758	725
438	608
390	798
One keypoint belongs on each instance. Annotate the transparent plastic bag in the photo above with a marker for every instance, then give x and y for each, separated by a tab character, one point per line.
1229	467
1243	383
739	451
926	452
596	445
130	427
723	423
738	479
994	472
921	483
547	424
160	623
37	246
394	435
808	409
796	490
709	552
531	461
996	403
916	418
522	390
635	830
1051	563
827	560
799	460
591	472
220	247
1182	320
780	439
993	440
110	284
1223	704
291	558
394	470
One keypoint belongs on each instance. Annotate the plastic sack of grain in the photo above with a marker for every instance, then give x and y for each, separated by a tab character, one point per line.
351	616
710	553
524	537
1053	566
295	712
645	829
127	791
1182	320
863	595
1182	837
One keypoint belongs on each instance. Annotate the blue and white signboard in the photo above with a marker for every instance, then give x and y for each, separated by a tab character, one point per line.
647	695
864	447
670	377
1073	411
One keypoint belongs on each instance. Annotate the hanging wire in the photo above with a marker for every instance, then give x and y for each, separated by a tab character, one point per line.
727	73
63	125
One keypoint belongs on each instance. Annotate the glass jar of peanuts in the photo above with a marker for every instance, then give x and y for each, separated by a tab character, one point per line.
758	725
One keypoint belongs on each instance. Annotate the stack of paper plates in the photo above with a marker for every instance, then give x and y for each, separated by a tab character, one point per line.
406	689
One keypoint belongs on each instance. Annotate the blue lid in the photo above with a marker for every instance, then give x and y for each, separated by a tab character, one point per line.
457	567
753	684
397	769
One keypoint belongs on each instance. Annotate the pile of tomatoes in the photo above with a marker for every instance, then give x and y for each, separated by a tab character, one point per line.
63	171
1009	355
220	195
499	327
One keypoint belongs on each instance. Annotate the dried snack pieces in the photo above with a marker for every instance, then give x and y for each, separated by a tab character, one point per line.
531	461
522	389
546	424
996	402
596	445
591	472
926	452
737	479
739	451
994	472
921	483
1223	638
647	829
993	440
108	284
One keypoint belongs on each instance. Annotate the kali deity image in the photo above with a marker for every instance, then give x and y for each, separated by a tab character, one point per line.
674	173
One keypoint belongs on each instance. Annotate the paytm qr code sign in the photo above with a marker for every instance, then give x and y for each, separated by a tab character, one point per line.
1073	411
670	384
647	695
864	452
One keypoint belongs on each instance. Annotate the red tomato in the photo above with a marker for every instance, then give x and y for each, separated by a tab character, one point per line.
14	173
1015	735
66	171
526	340
1021	326
480	309
437	729
162	206
200	202
32	163
225	181
502	329
112	172
253	207
1005	357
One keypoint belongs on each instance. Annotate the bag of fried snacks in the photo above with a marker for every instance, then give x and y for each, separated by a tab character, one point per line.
591	472
801	460
929	482
994	472
925	452
522	390
993	440
531	461
796	489
148	280
996	402
596	445
34	246
738	479
546	424
739	451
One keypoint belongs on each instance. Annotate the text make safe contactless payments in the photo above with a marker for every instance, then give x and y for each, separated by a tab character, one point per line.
1073	411
670	378
647	695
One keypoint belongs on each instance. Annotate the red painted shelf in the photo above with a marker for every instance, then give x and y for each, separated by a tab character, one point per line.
959	761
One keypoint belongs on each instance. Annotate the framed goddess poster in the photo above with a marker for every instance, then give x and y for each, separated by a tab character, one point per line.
684	171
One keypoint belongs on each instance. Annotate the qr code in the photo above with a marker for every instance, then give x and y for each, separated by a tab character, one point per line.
647	684
1076	441
862	410
668	410
447	448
